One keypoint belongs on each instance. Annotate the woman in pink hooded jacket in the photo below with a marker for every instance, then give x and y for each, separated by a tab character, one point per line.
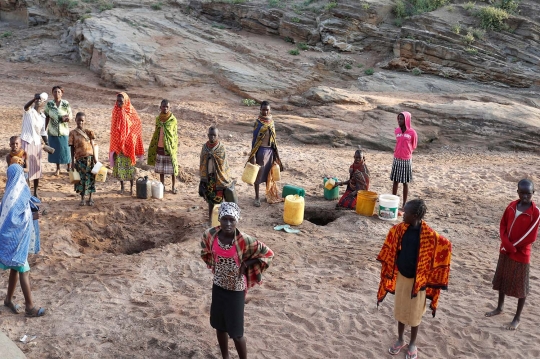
406	140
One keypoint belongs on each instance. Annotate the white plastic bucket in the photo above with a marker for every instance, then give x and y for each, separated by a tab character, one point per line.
388	207
157	189
97	167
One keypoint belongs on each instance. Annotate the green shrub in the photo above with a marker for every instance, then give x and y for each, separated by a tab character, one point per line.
450	8
492	18
479	34
399	9
294	52
105	6
288	39
471	51
156	6
302	46
369	71
469	5
348	66
416	71
365	6
67	4
295	19
330	5
398	22
249	102
84	17
510	6
468	39
6	34
359	66
275	3
456	28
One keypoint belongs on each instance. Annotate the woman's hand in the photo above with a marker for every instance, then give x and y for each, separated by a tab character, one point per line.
242	270
36	215
252	160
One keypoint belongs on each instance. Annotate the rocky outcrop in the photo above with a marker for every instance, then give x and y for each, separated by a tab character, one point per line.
172	49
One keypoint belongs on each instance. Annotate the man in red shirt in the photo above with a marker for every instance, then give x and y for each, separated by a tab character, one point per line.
518	230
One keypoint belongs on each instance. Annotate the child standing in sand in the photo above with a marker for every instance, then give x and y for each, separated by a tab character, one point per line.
406	141
415	265
518	231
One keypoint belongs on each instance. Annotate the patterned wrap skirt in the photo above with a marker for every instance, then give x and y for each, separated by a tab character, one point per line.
164	165
401	171
511	277
265	159
33	160
213	195
407	310
123	169
61	153
227	311
87	184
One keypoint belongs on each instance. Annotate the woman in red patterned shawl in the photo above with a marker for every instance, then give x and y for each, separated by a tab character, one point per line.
415	265
358	181
126	140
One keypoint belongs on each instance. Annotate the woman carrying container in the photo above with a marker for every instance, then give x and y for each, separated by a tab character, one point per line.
264	149
237	261
57	116
358	181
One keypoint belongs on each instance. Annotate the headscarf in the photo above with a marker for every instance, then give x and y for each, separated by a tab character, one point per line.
229	209
16	225
126	131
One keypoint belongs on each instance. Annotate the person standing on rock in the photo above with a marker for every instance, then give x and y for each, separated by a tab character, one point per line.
518	231
264	149
406	141
126	140
57	116
214	171
33	131
237	262
415	265
164	145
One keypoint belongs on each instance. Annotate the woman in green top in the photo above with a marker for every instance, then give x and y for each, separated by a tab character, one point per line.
58	113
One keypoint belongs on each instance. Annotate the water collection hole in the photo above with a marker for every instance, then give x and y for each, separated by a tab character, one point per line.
320	216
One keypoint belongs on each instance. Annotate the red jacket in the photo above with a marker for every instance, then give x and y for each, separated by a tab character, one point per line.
518	234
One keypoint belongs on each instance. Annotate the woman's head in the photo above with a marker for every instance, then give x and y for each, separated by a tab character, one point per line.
359	156
120	100
265	108
80	119
213	134
228	216
414	211
57	92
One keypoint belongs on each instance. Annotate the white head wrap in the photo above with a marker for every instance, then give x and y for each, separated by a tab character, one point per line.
229	209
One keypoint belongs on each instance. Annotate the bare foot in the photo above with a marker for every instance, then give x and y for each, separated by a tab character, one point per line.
493	312
513	325
57	173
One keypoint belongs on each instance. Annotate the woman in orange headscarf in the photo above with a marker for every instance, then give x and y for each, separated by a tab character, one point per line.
126	140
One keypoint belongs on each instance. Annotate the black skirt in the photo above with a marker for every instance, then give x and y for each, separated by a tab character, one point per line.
401	171
511	277
227	311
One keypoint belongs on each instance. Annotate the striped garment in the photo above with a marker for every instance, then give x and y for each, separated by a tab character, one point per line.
33	160
164	165
401	171
16	225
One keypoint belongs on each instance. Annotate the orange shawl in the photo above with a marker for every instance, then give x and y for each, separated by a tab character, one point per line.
126	131
432	268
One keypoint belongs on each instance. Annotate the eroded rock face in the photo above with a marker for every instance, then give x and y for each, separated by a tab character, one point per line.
128	47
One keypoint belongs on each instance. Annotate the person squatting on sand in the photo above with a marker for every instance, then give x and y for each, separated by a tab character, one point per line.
19	236
126	140
214	171
32	132
264	149
415	265
57	116
81	141
164	145
358	181
518	231
237	261
406	141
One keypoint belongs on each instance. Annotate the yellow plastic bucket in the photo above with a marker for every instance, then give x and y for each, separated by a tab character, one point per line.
365	203
293	211
250	173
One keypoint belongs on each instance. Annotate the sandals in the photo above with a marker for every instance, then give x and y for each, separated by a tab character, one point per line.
82	204
15	308
174	191
257	203
35	312
412	355
90	203
394	350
